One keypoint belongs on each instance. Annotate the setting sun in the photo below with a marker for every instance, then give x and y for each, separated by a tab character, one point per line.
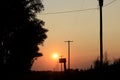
55	56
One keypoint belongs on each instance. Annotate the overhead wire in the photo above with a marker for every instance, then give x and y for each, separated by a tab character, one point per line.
70	11
109	3
79	10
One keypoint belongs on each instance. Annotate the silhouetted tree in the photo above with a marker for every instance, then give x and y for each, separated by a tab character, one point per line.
105	62
20	34
116	64
97	63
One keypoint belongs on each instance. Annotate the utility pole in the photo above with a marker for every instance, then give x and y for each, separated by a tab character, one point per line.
101	38
68	53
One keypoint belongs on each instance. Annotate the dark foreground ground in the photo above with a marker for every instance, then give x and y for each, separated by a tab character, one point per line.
111	72
76	75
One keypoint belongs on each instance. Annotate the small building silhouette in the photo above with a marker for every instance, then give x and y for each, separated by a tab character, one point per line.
63	60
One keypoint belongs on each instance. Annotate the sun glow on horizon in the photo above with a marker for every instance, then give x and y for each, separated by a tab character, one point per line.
55	55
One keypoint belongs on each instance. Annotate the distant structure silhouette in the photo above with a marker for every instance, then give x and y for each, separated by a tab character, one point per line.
63	60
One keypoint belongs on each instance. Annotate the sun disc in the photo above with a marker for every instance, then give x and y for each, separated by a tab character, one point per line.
55	55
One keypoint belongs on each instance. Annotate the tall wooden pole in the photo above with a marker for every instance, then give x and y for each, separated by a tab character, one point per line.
101	33
68	53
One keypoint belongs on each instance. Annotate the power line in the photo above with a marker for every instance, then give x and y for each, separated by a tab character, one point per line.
109	3
70	11
80	10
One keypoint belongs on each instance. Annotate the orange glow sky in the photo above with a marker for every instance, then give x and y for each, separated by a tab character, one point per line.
83	29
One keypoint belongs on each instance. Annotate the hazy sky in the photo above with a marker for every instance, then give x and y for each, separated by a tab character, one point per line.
80	27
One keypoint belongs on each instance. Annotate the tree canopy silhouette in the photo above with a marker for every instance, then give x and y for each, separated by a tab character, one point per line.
20	34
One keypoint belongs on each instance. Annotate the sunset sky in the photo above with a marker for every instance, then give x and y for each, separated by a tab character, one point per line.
80	27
